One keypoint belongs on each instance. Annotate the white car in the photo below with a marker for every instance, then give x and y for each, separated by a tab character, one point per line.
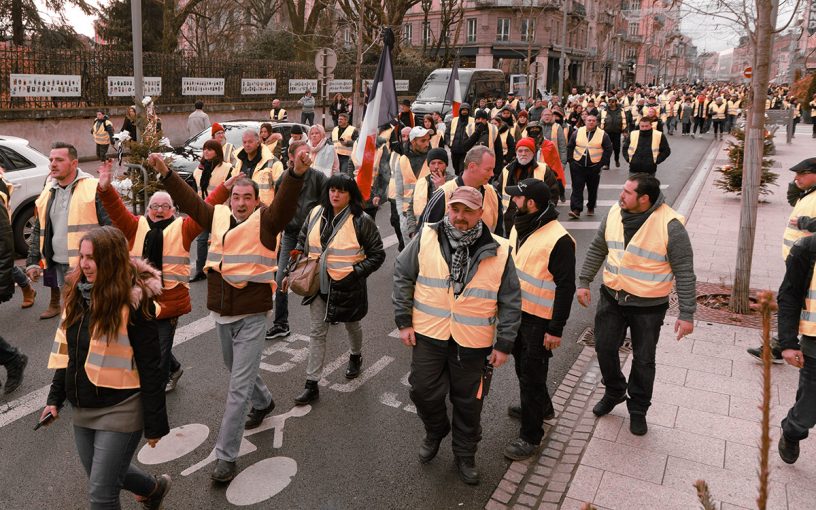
28	170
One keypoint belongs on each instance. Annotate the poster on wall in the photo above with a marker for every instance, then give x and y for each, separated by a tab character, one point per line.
401	85
336	86
250	86
300	86
202	86
124	86
45	85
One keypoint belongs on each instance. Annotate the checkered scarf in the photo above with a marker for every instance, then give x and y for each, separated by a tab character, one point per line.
460	242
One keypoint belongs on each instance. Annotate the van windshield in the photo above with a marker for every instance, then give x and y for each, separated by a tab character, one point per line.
434	88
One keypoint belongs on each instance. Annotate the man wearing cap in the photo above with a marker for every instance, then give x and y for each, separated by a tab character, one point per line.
524	166
643	248
455	291
544	254
645	148
406	116
218	134
613	122
438	175
589	150
411	167
479	164
343	137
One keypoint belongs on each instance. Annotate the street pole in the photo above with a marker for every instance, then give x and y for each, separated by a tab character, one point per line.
562	60
138	74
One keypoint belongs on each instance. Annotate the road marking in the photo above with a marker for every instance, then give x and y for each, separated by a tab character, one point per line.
179	442
331	367
598	203
245	449
581	225
365	376
297	355
261	481
614	186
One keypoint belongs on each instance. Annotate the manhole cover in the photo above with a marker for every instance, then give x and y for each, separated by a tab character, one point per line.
587	338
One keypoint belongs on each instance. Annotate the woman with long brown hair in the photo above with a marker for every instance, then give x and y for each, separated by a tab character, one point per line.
107	359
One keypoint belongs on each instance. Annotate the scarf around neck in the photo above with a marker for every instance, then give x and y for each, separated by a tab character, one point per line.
154	241
460	242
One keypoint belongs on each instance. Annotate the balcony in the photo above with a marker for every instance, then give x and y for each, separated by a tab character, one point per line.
515	4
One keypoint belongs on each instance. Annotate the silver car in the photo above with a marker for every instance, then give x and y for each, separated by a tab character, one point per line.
27	169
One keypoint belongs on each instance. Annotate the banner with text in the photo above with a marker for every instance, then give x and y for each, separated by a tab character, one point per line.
250	86
124	86
336	86
45	85
300	86
202	86
401	85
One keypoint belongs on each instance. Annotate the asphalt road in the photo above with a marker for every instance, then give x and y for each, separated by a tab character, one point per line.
356	447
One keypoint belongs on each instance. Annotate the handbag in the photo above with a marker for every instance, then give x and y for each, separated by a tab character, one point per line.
303	274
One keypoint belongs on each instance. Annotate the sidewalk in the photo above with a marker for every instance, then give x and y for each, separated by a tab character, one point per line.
704	419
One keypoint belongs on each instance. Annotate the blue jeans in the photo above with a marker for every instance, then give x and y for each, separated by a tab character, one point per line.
287	244
19	277
802	416
106	457
167	330
202	247
242	343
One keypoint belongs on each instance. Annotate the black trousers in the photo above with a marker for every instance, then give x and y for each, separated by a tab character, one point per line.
719	126
344	164
616	145
440	369
611	321
532	364
458	160
8	353
589	176
698	124
101	151
802	416
395	222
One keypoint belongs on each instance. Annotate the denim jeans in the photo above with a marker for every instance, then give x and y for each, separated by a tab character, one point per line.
671	125
19	277
106	457
202	247
242	343
317	338
589	176
167	330
532	364
8	352
802	416
644	323
287	244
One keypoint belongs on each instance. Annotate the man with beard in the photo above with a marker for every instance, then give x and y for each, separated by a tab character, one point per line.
645	148
411	167
589	150
487	134
523	167
613	122
343	137
544	254
460	129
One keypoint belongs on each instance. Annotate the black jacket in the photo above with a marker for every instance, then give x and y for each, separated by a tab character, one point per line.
436	208
313	183
347	300
792	294
642	160
6	250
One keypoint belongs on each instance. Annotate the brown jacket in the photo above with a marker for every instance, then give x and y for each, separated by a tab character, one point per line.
222	297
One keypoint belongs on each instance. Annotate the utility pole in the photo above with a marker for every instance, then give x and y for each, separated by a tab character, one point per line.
138	73
562	60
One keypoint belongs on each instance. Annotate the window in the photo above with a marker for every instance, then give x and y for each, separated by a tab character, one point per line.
14	161
527	30
407	33
426	33
503	29
634	28
347	36
471	30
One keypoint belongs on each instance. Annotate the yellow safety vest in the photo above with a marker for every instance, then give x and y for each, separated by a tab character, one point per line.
409	180
100	135
421	192
470	319
342	252
468	129
490	205
394	164
734	106
279	117
539	172
81	215
634	137
219	174
436	139
339	148
238	254
594	146
642	267
807	320
532	261
175	268
110	364
264	176
805	206
718	111
503	137
229	152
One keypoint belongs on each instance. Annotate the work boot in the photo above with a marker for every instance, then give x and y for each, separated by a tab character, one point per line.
256	416
467	470
514	411
788	450
224	471
309	395
14	372
606	404
428	449
29	294
354	364
54	308
637	424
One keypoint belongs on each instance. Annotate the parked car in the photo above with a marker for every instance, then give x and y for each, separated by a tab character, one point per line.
474	84
27	169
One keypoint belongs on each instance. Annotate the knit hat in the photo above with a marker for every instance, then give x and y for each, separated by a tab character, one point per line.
297	130
464	106
481	114
439	154
406	102
216	127
526	142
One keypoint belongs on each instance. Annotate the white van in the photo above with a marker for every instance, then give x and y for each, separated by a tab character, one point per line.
474	84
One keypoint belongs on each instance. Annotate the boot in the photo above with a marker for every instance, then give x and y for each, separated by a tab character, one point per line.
309	395
54	308
28	295
354	364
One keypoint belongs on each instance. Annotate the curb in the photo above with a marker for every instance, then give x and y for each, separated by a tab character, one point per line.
691	191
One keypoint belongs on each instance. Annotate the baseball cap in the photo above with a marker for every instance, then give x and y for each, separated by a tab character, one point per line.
417	132
534	189
467	196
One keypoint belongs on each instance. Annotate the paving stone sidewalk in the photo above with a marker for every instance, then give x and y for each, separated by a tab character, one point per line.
704	419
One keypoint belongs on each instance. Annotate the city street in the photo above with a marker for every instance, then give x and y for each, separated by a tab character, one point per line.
356	447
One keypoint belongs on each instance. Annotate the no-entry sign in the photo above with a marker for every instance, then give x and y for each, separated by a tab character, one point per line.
748	72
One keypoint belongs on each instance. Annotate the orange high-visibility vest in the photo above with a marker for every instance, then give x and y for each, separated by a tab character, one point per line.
219	174
238	254
110	364
594	146
409	180
81	215
807	320
642	267
532	261
264	174
100	135
339	148
175	268
342	252
490	205
503	137
634	137
470	318
539	172
805	206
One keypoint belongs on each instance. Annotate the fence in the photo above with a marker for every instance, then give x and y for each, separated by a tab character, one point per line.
94	67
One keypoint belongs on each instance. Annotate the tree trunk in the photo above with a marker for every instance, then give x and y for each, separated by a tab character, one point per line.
17	29
169	36
752	162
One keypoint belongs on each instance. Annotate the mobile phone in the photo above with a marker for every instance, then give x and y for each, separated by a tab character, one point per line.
48	418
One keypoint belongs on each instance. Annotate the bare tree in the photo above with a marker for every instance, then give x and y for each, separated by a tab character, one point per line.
377	14
259	13
214	28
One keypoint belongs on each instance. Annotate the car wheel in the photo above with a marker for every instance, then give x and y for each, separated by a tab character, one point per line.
23	226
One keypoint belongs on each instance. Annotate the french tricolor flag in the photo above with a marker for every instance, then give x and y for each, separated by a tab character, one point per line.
381	109
454	93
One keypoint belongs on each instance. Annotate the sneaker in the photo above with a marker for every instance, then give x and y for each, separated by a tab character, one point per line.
776	354
278	331
519	449
14	372
788	450
154	501
605	167
467	470
256	416
637	424
575	214
173	381
223	472
606	404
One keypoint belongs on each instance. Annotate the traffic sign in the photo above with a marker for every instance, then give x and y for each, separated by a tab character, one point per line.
325	60
748	72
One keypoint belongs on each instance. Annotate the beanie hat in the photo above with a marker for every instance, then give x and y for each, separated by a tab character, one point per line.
481	114
526	142
296	130
216	127
439	154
